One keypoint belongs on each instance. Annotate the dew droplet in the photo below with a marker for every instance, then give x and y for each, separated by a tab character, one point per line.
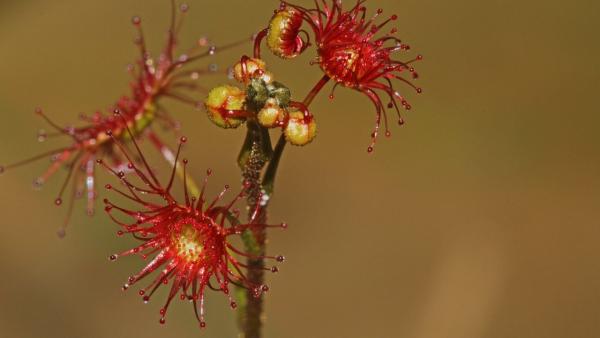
42	135
125	287
136	20
203	41
284	225
202	324
183	139
146	299
38	183
369	149
58	201
280	259
113	258
162	321
183	58
274	269
61	233
184	7
212	50
233	305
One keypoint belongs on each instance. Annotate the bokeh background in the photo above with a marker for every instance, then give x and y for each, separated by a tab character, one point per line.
478	218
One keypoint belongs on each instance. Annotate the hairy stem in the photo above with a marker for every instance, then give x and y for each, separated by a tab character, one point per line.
255	154
254	158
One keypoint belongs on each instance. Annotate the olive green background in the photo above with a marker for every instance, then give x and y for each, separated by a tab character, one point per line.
478	218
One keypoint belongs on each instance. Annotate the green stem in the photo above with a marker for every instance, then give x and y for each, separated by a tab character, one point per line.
191	185
255	154
271	172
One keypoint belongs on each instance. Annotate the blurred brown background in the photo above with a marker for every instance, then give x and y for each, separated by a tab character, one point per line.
479	218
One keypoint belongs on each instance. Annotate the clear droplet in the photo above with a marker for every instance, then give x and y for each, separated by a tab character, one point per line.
42	135
61	233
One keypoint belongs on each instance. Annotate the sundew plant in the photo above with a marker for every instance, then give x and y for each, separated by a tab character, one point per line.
195	243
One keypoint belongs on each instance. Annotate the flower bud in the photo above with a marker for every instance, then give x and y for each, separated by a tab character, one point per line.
283	39
257	94
271	114
280	93
249	68
221	104
300	130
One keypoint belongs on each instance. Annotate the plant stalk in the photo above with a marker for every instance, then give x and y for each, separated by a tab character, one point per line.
255	154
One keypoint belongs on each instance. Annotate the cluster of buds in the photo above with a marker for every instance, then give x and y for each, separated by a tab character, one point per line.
264	100
351	49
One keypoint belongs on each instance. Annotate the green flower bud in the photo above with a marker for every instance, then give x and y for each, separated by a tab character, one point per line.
257	94
271	115
280	93
225	106
249	68
300	130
